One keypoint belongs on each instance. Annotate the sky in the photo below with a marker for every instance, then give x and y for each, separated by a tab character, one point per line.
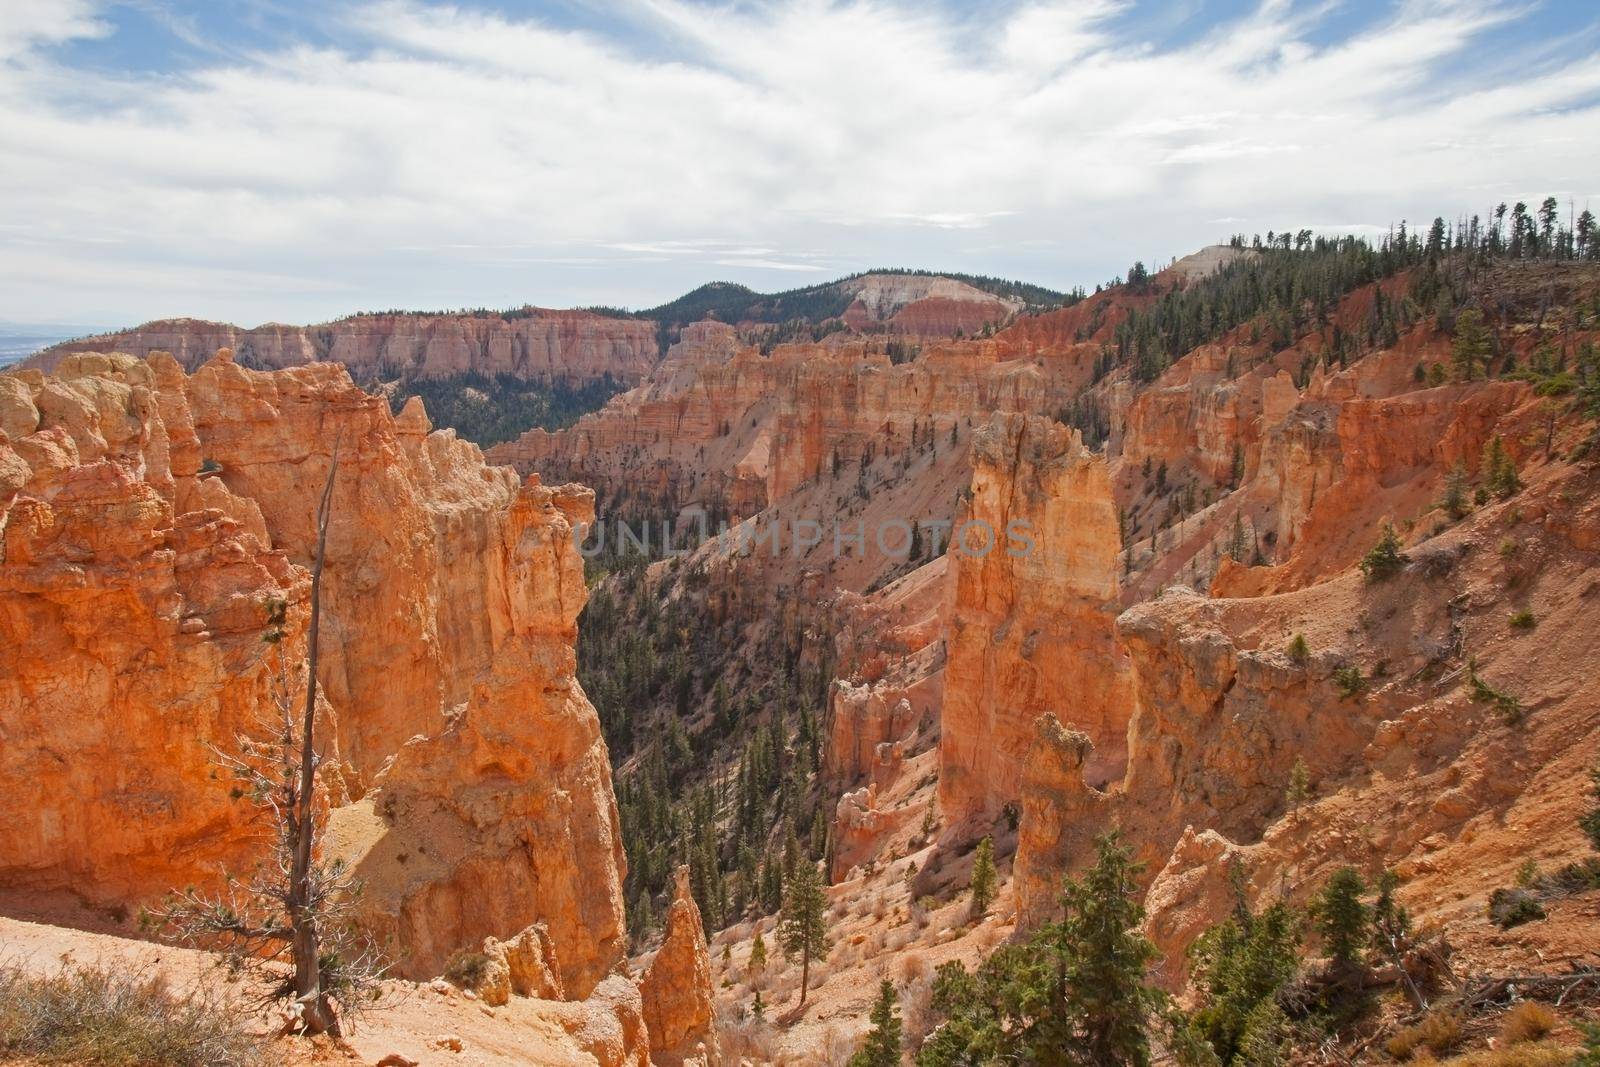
297	160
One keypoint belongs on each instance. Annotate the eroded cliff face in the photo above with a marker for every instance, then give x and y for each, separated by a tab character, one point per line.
148	521
505	815
537	345
133	599
1030	621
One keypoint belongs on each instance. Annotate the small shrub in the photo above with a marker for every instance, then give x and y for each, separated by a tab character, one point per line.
1527	873
1512	907
1348	679
1298	650
1508	706
1439	1031
1528	1021
913	967
96	1017
466	969
1522	620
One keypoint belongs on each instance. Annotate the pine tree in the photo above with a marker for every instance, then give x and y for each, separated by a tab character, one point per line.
1471	348
802	929
758	1009
1299	790
1104	957
1500	472
1240	965
983	877
882	1047
1385	559
1455	502
1341	918
758	954
1265	1042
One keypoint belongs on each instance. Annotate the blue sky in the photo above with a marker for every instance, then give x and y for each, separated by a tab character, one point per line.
258	160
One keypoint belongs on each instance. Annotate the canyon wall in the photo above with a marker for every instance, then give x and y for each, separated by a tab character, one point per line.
151	520
534	344
133	599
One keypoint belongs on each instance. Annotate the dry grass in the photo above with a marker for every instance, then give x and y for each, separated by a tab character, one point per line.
1528	1021
912	967
742	1038
1542	1055
1438	1032
97	1017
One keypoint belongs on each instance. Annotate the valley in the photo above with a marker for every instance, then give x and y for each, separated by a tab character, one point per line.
1222	638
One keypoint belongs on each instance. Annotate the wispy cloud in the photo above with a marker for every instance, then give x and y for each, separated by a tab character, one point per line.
444	155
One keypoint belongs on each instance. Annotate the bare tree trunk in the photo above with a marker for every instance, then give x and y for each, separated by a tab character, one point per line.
317	1012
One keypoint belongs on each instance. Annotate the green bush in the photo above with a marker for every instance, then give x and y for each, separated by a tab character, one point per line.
1348	679
466	969
1513	907
1384	560
1522	620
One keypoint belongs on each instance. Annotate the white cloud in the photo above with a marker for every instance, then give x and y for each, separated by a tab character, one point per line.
443	156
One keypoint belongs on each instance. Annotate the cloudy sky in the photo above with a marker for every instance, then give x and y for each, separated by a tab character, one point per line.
295	160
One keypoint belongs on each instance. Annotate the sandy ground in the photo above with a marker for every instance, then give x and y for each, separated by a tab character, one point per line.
418	1022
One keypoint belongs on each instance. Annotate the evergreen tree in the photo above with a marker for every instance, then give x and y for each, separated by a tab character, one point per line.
882	1047
1455	502
771	885
1471	348
1106	1004
1265	1042
983	877
1299	790
1073	995
1500	472
1342	919
1240	965
1385	559
758	954
802	928
758	1009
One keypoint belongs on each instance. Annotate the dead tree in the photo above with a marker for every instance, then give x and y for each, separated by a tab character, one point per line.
294	907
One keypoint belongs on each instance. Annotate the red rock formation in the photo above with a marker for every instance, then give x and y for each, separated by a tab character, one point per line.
132	604
676	988
537	344
1030	622
450	603
1060	817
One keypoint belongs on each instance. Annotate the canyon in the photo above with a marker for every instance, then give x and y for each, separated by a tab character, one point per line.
1086	581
